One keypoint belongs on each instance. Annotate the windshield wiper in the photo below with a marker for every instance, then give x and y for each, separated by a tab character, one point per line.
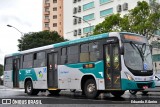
140	51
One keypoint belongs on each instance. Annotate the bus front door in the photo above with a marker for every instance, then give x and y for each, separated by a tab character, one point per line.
52	75
16	67
112	67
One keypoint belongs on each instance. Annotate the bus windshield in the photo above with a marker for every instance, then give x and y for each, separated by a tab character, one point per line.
137	55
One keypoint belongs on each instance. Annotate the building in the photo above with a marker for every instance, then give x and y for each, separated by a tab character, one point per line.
91	12
53	15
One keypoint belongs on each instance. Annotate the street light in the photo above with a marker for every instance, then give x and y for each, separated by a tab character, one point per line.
86	22
19	32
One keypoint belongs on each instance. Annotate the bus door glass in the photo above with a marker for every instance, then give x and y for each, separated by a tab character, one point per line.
112	66
16	67
52	75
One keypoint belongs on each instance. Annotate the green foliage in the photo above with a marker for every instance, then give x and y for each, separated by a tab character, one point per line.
143	19
111	23
1	70
38	39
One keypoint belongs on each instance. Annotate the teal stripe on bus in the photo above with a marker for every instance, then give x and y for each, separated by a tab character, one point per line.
94	37
23	73
97	71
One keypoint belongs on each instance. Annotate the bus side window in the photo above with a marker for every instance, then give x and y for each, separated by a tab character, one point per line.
72	53
39	59
28	61
84	53
8	64
94	52
63	55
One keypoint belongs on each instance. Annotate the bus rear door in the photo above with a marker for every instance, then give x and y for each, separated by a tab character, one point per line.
112	66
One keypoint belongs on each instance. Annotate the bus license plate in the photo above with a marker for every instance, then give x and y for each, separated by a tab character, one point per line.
145	87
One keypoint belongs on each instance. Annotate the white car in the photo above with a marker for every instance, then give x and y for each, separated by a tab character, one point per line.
157	80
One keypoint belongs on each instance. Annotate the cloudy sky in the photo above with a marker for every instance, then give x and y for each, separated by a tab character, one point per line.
25	15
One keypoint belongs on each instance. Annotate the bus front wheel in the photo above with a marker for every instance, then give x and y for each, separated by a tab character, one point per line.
90	89
117	93
29	88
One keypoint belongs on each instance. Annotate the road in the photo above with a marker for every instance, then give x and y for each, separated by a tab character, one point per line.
76	98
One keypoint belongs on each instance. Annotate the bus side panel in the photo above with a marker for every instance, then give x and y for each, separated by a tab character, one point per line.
8	79
70	75
69	78
37	75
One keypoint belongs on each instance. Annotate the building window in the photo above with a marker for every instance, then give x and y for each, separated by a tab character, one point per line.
54	1
55	9
46	9
79	32
74	1
119	8
46	1
74	10
46	17
88	17
104	1
54	16
75	33
79	8
88	29
106	12
74	21
125	6
46	25
54	24
88	6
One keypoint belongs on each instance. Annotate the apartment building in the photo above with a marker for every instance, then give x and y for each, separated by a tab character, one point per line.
88	13
53	16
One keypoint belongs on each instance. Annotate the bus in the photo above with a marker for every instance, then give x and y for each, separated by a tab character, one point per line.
110	62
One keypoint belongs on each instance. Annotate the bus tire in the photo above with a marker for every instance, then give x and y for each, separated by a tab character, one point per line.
133	92
29	88
54	92
90	89
144	92
117	93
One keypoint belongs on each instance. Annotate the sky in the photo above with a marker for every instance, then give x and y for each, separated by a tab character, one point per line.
25	15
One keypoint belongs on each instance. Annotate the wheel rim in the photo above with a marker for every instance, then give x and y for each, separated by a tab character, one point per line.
91	88
29	88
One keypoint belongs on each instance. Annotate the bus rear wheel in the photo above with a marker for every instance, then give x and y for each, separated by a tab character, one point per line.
29	88
90	89
54	92
117	93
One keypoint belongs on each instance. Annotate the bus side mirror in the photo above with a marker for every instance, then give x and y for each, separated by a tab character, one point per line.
122	50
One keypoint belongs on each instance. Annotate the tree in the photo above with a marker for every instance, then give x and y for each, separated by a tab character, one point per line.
143	19
111	23
37	39
1	70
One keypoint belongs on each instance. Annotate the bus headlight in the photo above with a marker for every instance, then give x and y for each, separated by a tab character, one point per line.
129	76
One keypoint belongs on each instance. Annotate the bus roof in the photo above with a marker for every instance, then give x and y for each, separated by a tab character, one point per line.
61	44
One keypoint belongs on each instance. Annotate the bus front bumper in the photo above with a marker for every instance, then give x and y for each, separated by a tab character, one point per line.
134	85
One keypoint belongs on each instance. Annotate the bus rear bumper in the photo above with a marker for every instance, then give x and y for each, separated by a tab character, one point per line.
134	85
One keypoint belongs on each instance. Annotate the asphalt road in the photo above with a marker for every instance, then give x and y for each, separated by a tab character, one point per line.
76	99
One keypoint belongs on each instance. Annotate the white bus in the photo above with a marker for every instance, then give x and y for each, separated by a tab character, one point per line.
109	62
